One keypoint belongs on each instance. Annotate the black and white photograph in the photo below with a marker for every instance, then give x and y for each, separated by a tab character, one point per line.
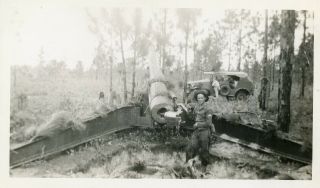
119	91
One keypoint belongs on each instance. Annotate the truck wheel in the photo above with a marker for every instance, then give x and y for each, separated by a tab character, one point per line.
242	95
224	90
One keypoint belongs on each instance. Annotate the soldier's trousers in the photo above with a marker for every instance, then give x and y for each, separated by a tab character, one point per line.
199	145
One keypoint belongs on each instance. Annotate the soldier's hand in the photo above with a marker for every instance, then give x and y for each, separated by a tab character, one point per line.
195	125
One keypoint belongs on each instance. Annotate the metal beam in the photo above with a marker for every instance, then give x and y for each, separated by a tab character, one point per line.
120	119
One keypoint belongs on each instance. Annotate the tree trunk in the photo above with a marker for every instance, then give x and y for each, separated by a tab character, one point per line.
164	41
195	55
264	66
229	63
255	66
160	55
186	65
269	84
110	79
303	81
240	44
288	21
201	68
124	70
273	73
279	88
159	100
273	66
303	73
134	73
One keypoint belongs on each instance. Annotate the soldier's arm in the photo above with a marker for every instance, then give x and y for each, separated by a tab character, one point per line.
207	124
209	120
190	105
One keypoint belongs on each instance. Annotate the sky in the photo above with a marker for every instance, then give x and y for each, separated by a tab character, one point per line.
62	33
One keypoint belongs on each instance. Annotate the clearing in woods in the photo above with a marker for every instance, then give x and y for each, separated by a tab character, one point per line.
141	153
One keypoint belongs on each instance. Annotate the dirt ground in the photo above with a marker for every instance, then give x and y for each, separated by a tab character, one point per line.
148	154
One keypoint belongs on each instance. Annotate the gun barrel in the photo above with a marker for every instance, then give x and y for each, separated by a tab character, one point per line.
159	98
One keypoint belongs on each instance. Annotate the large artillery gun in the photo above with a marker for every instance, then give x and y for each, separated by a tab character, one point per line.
164	111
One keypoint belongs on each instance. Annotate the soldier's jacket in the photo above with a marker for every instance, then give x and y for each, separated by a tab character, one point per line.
201	113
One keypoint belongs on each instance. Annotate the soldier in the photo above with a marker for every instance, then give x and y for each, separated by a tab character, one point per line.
101	107
215	87
200	138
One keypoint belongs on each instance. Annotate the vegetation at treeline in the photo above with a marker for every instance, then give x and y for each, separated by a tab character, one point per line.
187	45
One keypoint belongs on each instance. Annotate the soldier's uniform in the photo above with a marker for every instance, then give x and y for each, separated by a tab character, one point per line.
215	88
201	136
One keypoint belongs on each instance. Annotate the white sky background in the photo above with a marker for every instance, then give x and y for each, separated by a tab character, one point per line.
62	32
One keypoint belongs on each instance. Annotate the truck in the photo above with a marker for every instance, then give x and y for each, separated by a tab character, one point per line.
233	85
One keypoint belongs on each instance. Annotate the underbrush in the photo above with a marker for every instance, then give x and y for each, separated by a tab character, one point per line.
223	106
136	154
127	154
301	113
